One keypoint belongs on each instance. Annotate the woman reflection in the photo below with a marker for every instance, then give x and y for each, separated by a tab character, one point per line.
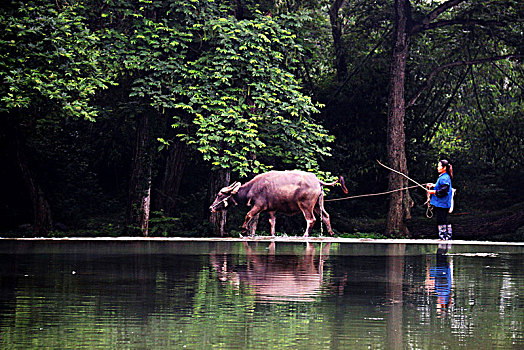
442	277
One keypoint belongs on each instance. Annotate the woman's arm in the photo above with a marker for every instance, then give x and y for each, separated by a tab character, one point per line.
442	191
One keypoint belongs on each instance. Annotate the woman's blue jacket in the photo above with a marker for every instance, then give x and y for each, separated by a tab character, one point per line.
443	189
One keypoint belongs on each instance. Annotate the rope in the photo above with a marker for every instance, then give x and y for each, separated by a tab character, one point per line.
222	201
429	212
429	209
321	205
369	195
398	172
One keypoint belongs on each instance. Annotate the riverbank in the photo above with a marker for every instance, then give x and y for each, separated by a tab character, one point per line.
501	225
505	225
295	239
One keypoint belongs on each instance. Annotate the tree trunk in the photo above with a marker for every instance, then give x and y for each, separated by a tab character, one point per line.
139	202
336	30
170	186
219	179
400	202
42	222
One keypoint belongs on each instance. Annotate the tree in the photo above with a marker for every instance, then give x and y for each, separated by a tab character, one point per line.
249	111
336	29
400	203
225	82
50	68
147	44
246	102
449	14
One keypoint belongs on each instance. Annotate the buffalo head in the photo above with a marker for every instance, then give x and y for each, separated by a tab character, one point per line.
223	196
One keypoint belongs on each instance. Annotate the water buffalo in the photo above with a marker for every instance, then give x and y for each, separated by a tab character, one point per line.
287	192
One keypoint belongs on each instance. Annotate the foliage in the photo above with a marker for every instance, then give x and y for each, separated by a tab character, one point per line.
250	86
227	83
247	105
162	225
48	56
363	235
473	114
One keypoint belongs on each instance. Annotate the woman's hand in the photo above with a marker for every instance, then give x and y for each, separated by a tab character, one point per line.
428	186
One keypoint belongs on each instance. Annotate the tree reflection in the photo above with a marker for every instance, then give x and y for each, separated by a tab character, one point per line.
395	278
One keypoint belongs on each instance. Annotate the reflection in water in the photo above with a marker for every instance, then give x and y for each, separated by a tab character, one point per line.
273	277
439	279
246	295
395	278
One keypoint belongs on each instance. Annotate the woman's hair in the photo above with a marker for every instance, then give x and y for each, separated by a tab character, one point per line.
449	169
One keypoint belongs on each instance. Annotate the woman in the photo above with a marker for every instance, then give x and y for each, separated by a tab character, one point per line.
441	198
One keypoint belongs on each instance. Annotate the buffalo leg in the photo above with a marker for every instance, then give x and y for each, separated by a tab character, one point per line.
249	216
325	218
310	219
272	222
253	225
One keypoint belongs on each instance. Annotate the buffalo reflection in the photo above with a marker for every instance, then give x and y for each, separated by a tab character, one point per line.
276	277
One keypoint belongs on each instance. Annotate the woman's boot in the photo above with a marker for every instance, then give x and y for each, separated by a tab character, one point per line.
449	232
442	232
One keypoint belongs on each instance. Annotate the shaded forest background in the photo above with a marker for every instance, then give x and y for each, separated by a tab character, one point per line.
127	117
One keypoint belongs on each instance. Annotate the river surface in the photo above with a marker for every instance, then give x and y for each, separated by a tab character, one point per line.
260	295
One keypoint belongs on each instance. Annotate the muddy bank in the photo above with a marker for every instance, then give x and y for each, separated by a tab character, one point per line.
505	225
502	225
107	243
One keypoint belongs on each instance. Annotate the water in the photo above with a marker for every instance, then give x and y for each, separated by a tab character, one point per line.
259	295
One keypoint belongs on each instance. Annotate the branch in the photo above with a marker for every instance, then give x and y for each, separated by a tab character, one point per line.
456	64
437	121
445	23
434	14
508	76
481	111
490	131
360	65
307	75
335	7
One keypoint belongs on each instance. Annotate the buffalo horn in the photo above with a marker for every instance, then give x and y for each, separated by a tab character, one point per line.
233	188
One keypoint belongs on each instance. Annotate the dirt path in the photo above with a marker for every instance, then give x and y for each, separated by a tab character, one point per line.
297	239
501	225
